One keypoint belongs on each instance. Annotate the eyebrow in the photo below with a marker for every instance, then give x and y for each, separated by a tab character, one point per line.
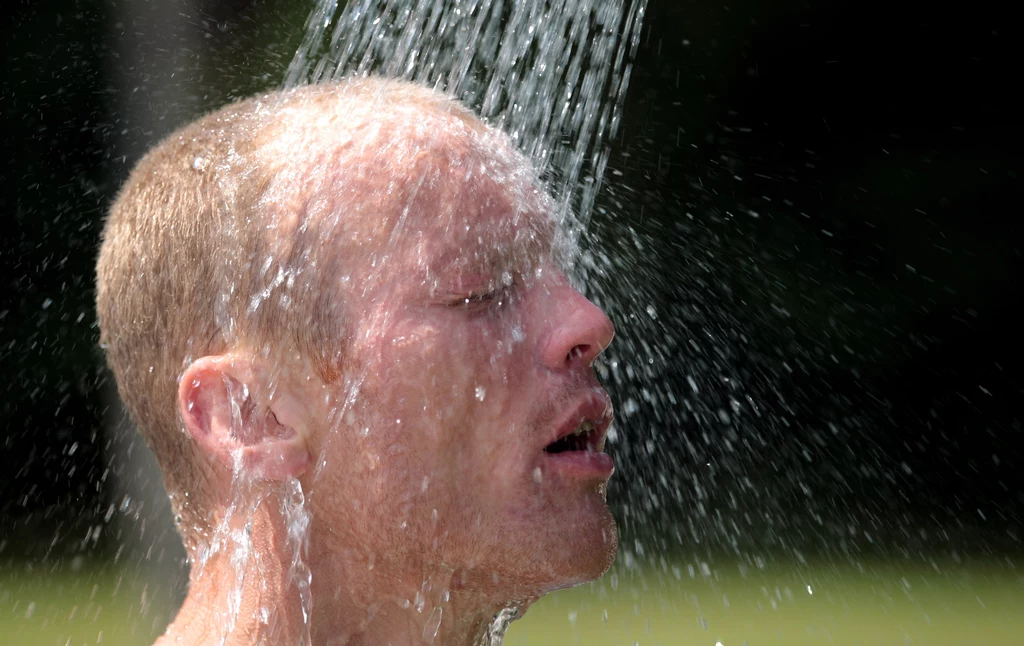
502	255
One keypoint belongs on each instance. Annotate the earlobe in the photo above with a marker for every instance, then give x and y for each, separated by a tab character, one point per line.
220	402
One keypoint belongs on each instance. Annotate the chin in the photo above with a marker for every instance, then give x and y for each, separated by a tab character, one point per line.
593	543
571	547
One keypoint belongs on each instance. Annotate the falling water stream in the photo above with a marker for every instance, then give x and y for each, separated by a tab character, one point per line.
551	73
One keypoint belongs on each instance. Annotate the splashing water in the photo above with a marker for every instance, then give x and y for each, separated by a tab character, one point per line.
553	75
713	363
297	519
495	634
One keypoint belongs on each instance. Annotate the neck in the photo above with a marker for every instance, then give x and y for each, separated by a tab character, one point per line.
358	600
241	590
245	594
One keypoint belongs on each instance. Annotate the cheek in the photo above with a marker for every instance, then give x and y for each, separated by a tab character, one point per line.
422	364
457	384
427	378
448	358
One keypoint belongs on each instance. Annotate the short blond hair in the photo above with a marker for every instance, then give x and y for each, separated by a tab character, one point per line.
197	257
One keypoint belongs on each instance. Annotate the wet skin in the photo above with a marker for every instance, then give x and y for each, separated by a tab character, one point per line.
450	454
473	354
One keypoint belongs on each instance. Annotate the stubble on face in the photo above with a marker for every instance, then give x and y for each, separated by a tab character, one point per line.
432	464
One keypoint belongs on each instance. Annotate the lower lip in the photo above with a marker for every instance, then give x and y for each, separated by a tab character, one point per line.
581	464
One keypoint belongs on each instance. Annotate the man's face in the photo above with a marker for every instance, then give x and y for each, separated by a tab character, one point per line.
473	440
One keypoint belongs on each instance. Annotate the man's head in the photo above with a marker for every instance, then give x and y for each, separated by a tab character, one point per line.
356	286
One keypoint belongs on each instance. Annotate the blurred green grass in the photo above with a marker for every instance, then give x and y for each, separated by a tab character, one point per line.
702	603
70	604
733	605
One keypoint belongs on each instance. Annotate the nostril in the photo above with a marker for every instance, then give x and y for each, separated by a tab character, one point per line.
576	352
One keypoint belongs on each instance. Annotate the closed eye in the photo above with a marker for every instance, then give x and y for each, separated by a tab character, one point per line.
470	301
478	300
486	294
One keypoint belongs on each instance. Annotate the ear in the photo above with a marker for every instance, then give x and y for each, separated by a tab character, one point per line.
227	411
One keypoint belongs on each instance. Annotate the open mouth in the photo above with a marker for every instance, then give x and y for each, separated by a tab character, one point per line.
584	438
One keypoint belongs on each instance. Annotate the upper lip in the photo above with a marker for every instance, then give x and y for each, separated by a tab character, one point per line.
594	407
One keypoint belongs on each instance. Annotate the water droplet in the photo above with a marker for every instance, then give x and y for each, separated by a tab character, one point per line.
481	392
630	407
517	333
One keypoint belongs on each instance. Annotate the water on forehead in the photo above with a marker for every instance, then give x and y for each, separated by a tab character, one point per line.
479	227
462	189
366	164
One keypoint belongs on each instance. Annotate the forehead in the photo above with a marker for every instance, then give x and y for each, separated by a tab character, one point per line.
441	192
480	204
431	187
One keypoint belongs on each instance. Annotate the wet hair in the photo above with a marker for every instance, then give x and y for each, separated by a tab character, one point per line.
214	242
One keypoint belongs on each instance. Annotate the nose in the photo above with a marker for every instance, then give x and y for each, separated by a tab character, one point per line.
581	331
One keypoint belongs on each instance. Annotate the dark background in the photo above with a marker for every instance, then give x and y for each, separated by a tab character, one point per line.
812	221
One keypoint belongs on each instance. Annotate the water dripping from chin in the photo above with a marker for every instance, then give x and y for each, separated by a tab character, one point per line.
494	635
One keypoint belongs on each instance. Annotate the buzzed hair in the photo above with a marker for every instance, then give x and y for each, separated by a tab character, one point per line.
212	245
